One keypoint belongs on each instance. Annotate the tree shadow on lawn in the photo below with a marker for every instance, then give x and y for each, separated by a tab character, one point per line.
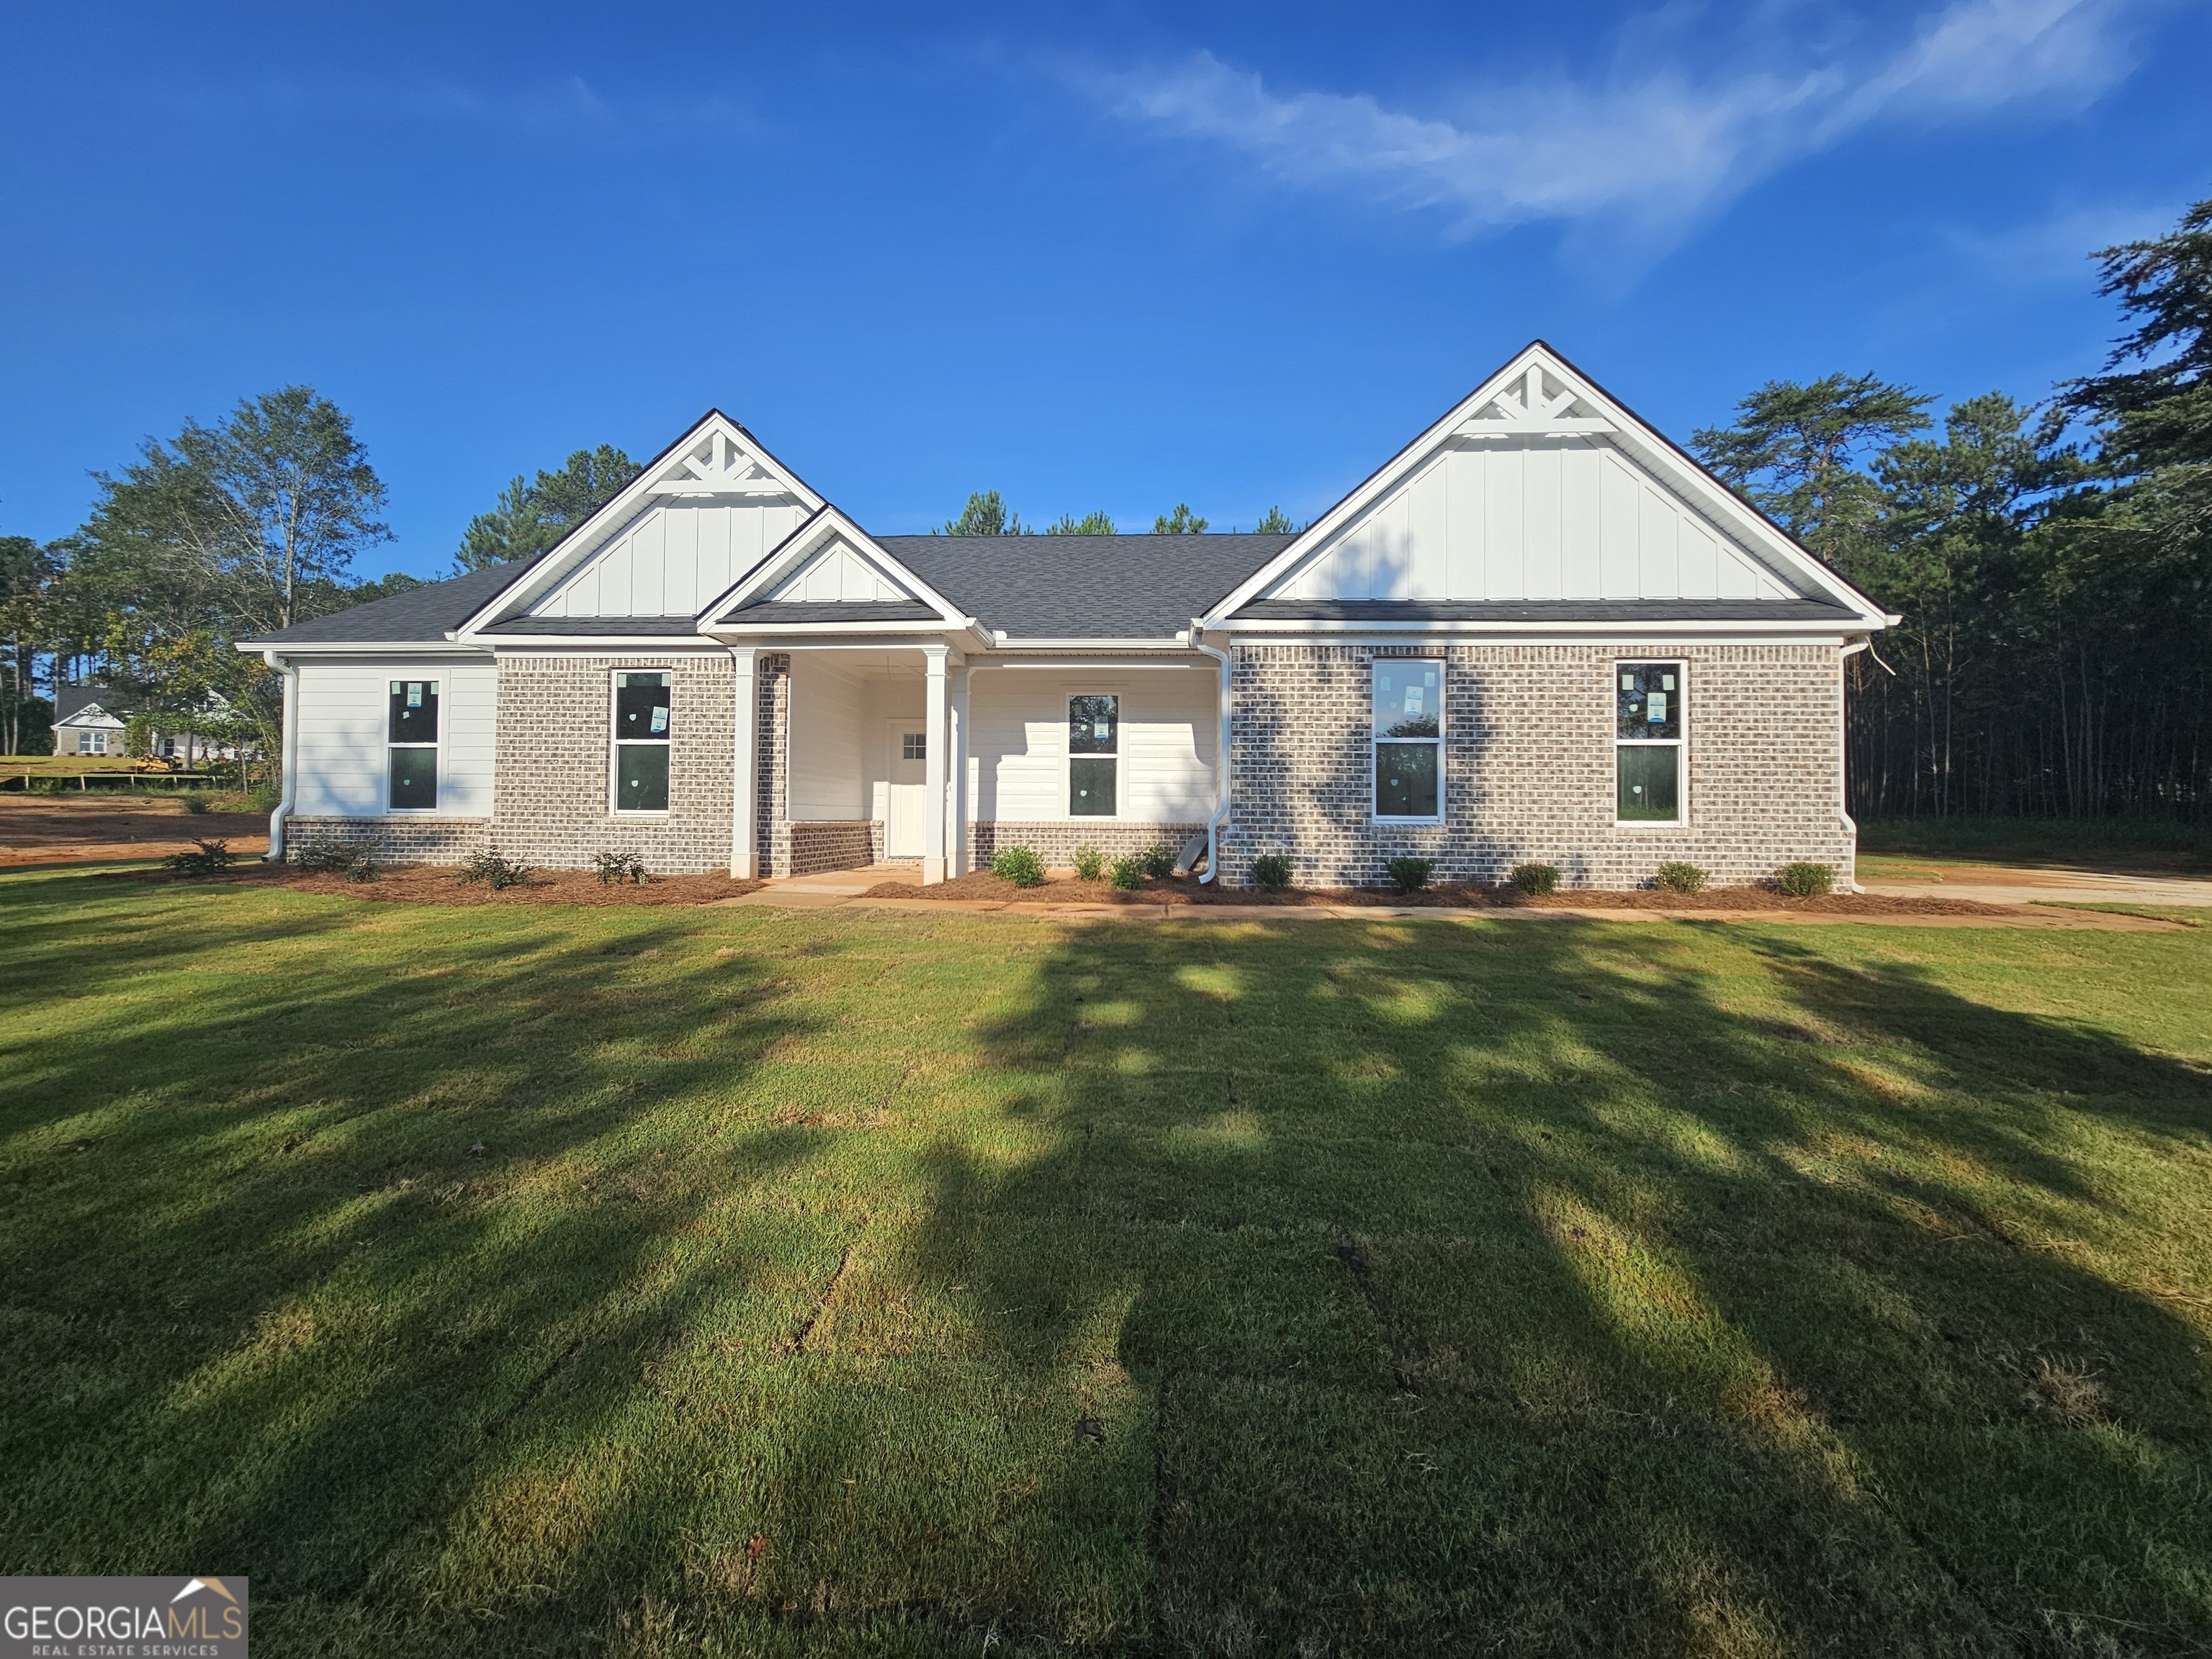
881	1284
1576	1289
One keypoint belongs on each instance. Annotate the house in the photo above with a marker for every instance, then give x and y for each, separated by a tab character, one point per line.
88	720
1539	631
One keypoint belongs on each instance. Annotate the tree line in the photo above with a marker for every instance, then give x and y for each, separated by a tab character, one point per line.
2052	564
987	514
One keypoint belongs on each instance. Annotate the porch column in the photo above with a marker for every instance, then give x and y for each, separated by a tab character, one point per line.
957	808
935	720
744	768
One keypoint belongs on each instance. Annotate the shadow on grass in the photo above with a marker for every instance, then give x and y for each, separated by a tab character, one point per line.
868	1284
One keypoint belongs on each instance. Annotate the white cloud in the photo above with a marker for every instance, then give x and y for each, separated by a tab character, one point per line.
1648	147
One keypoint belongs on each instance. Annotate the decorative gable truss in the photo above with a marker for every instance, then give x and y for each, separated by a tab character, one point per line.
700	516
1536	487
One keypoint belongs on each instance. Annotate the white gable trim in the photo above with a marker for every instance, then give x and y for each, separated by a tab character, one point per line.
834	575
1513	403
816	536
716	457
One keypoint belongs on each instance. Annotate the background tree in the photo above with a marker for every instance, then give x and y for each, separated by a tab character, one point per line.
984	514
1181	522
533	514
1091	524
1276	523
26	575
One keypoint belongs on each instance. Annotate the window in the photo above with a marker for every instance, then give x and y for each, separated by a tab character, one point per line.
914	746
1408	738
1648	707
1094	743
642	735
412	735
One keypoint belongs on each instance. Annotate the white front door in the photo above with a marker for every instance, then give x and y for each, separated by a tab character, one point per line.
902	818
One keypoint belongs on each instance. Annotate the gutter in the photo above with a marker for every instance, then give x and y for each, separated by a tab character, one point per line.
1196	637
288	756
1843	732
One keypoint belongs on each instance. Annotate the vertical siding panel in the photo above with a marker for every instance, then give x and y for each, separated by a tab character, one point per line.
1661	577
1463	526
1620	565
1432	515
1700	559
1543	476
1580	483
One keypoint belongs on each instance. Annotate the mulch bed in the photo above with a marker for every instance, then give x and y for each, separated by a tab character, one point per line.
983	885
423	883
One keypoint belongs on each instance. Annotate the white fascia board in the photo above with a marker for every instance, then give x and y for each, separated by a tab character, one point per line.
379	648
1610	634
1011	643
794	550
580	544
1712	497
629	644
1290	626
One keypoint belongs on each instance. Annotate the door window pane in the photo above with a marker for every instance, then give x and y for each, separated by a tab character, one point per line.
415	779
1094	726
641	777
1650	776
1091	788
1406	779
414	711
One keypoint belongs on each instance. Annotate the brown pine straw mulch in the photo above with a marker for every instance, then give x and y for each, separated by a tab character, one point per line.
982	885
431	884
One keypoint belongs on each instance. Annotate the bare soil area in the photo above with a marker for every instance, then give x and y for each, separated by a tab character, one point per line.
984	887
92	828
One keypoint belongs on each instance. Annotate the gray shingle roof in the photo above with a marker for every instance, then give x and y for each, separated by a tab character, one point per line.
625	627
1540	611
784	611
1112	587
421	614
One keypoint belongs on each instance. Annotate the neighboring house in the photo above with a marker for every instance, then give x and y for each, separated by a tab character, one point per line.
1541	631
88	720
91	720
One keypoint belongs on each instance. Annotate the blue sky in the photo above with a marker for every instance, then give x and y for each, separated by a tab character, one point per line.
1096	256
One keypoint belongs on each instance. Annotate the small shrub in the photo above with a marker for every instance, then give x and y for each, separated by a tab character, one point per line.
495	872
358	861
196	801
1089	863
1675	877
613	868
1410	875
208	857
1271	871
1156	861
1805	880
1127	874
1535	881
1019	864
262	798
45	785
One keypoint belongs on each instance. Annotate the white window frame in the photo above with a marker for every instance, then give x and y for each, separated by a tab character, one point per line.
1681	745
1068	756
615	742
383	713
1374	743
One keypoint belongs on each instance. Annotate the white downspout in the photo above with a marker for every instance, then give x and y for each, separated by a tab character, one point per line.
1843	745
1197	637
287	756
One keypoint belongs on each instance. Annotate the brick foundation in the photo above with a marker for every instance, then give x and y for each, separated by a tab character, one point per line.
1055	842
1528	765
425	839
807	849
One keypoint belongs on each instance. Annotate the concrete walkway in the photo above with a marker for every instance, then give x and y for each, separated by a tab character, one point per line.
845	888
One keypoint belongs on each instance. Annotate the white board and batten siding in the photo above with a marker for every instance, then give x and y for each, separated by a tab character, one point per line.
672	559
342	716
1555	519
1017	720
836	575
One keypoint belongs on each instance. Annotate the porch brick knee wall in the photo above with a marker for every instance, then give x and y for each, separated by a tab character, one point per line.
807	849
550	805
397	839
1055	842
1529	765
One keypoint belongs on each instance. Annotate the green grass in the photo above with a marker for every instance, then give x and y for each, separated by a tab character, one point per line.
1428	1287
2127	840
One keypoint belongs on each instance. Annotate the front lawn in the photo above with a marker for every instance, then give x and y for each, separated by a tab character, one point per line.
543	1280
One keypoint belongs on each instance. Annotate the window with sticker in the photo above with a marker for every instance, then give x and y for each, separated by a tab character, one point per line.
411	746
1649	707
643	720
1094	748
1407	737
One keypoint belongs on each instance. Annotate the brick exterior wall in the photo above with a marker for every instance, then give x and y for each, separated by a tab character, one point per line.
551	802
425	840
1529	765
1055	842
807	849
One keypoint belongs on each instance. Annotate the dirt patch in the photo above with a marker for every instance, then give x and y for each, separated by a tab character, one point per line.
60	829
982	886
428	884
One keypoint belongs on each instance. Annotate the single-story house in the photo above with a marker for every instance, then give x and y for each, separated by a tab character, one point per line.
1539	632
92	720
